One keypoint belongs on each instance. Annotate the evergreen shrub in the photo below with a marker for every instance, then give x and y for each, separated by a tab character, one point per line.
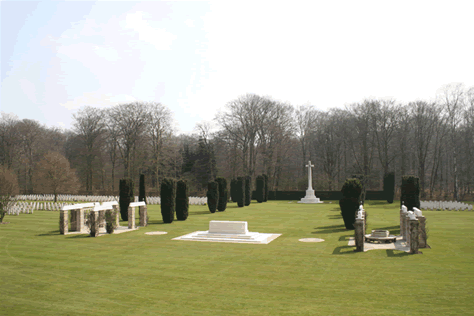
168	199
240	192
410	192
389	186
212	196
222	204
265	197
362	180
141	190
260	185
126	196
351	192
248	194
233	190
182	200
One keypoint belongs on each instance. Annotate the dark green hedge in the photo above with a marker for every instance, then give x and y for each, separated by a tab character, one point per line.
168	199
126	187
141	190
260	186
265	197
182	200
222	204
212	196
240	192
410	192
389	186
248	195
233	190
351	192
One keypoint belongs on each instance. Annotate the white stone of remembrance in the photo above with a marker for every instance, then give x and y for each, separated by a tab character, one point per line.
229	231
310	198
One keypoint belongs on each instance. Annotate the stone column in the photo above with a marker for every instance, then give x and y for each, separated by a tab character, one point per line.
102	219
406	233
131	217
143	215
94	220
359	234
117	215
80	220
63	222
422	232
73	220
414	226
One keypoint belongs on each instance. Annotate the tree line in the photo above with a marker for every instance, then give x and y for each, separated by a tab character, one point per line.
432	140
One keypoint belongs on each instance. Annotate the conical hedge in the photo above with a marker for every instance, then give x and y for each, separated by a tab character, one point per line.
222	204
248	192
351	192
126	196
141	191
260	187
212	196
240	192
265	197
168	199
182	200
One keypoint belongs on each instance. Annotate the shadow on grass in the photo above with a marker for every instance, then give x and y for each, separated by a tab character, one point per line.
344	250
339	216
337	209
373	202
79	236
345	238
51	233
330	229
392	253
200	213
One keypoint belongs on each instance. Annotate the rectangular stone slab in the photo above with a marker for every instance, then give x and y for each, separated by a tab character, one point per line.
228	227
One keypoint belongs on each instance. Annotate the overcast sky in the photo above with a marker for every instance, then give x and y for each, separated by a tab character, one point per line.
194	57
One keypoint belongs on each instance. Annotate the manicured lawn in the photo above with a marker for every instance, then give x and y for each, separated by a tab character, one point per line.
45	273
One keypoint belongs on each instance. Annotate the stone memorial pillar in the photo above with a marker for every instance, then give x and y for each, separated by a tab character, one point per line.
80	220
359	233
403	214
143	215
73	220
63	222
102	219
94	220
414	226
117	215
131	217
422	232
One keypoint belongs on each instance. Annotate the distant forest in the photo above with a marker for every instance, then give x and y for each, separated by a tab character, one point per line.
433	140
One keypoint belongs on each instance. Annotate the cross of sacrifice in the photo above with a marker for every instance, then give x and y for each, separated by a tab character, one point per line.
310	179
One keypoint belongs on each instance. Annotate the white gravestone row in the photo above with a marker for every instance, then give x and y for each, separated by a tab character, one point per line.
445	205
151	200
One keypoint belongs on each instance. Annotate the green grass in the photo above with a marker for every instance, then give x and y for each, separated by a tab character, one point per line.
45	273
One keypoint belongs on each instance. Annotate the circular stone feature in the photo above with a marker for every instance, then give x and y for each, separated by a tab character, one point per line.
311	240
156	233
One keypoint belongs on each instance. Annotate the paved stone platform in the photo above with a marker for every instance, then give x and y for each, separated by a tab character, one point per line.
400	244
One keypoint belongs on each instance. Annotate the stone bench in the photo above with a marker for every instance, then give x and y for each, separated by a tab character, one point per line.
142	211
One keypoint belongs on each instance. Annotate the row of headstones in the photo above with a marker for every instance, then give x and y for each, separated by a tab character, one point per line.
445	205
99	216
152	200
413	228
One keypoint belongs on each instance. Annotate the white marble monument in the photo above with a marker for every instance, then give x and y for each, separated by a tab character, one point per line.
310	198
229	231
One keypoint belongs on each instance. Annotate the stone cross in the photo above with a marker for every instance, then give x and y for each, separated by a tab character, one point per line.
310	179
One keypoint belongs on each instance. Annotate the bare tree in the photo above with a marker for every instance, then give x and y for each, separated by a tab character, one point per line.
9	139
53	175
90	126
306	117
453	98
8	189
131	120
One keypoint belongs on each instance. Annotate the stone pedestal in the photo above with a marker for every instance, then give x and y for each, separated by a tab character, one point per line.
117	215
131	218
143	215
310	198
94	221
80	220
422	232
414	226
63	222
359	234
